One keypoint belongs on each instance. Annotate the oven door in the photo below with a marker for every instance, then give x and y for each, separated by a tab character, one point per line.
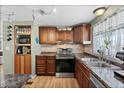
65	66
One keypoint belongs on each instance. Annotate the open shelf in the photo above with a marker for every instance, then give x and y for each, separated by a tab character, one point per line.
22	49
23	44
22	39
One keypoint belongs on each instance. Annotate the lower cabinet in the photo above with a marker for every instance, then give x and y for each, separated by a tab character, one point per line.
40	65
22	64
45	65
50	66
82	75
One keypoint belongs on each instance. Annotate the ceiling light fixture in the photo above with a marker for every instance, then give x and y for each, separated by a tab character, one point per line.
99	11
64	28
45	12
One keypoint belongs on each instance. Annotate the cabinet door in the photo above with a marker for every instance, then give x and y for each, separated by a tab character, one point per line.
86	32
17	64
69	36
41	65
80	79
81	33
27	64
74	34
77	34
51	34
82	75
85	81
43	35
51	66
76	69
59	36
22	64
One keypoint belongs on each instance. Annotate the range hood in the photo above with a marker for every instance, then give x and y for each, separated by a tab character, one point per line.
86	42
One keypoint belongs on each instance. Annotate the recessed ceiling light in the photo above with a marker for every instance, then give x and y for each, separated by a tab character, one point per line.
99	11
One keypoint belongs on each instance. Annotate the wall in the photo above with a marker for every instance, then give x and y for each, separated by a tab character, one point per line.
0	38
8	48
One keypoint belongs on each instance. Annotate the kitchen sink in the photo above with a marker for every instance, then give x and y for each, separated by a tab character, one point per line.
97	64
89	59
93	62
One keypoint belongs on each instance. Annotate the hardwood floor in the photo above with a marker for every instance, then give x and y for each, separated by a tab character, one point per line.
53	82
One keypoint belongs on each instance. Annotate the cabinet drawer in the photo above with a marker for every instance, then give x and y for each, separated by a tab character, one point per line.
41	67
40	72
40	57
41	62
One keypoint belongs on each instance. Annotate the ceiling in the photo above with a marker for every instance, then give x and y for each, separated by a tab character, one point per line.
64	15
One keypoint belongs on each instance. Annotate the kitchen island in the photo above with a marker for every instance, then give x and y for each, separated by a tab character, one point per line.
13	80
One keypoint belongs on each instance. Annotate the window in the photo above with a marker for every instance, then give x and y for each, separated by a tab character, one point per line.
112	30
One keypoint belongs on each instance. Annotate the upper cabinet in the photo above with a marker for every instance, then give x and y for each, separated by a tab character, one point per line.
65	36
47	35
81	33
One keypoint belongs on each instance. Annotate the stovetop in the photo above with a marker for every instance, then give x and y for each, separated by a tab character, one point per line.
64	56
64	53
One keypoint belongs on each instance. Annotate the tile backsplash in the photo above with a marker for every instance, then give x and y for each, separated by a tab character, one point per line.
77	48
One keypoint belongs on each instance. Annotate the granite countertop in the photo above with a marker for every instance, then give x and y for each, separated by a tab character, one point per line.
13	80
103	74
47	54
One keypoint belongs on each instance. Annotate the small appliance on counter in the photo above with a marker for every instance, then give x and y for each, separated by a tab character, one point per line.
120	55
65	62
120	73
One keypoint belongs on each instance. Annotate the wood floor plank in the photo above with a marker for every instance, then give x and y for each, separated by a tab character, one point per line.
53	82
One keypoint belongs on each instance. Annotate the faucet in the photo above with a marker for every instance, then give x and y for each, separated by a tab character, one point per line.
101	52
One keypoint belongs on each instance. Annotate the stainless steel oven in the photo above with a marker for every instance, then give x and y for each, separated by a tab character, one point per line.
65	64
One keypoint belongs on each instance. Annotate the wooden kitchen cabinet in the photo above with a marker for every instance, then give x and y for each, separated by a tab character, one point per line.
81	33
22	64
59	35
47	35
65	36
51	65
27	64
82	75
86	32
43	35
40	65
22	49
51	35
45	65
68	36
17	64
